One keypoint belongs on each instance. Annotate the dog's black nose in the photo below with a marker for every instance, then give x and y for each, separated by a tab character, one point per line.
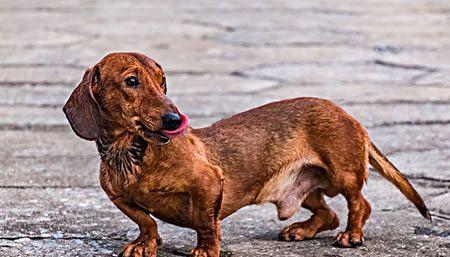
171	121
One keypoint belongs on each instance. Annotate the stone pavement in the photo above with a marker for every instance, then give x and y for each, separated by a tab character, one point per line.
386	62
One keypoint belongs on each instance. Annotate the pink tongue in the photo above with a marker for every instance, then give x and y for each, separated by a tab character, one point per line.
180	129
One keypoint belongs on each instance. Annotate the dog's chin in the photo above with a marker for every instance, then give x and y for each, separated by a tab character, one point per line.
151	135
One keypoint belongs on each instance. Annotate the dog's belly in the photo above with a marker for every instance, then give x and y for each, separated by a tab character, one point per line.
291	185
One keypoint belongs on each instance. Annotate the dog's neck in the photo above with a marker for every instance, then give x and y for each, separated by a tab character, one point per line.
122	152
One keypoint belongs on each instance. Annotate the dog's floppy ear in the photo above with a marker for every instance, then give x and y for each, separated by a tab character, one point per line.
82	109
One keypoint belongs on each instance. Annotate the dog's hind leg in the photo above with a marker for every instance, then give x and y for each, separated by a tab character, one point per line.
358	212
323	218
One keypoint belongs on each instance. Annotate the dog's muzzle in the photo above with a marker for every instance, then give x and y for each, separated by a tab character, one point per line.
174	124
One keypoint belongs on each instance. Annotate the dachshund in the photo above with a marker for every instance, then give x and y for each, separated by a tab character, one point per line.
290	153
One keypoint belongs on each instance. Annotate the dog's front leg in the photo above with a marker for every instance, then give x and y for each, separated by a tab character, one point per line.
148	240
206	220
208	239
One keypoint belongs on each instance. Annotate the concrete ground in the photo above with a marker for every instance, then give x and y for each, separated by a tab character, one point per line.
386	62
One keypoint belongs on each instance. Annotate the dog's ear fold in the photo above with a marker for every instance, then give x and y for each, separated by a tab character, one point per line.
82	109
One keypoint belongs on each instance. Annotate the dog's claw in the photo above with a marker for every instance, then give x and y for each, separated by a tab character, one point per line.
296	232
198	252
140	248
356	243
348	239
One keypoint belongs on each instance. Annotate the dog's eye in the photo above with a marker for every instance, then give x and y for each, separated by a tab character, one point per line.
132	81
164	85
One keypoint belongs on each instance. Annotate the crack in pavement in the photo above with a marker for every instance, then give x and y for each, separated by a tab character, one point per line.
343	63
420	230
34	127
422	177
342	102
65	126
81	67
36	105
36	83
444	182
442	215
426	71
418	77
434	214
282	45
242	74
409	123
426	197
51	46
429	182
167	249
46	9
193	73
40	65
306	63
404	66
41	237
392	102
210	24
46	187
416	150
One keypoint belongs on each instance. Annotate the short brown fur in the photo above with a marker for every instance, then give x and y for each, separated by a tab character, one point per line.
290	153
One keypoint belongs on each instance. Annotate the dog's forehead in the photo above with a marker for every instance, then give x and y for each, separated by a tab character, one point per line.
124	60
147	62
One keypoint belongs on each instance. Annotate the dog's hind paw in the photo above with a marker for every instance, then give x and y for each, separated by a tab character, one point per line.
299	231
296	232
349	239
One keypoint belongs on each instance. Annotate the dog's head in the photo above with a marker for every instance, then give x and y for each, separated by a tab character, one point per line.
124	92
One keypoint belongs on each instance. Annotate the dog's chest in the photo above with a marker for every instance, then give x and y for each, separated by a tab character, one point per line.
171	207
158	197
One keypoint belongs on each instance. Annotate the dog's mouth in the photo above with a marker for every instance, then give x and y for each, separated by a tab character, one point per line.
148	133
164	135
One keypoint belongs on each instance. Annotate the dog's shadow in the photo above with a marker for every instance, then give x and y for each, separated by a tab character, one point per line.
269	236
169	252
272	236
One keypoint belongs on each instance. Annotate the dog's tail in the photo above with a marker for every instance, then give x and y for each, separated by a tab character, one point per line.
386	169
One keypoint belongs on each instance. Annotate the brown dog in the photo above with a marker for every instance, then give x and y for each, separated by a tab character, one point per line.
289	153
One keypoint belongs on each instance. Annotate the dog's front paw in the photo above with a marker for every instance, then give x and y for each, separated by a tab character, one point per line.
200	252
349	239
142	246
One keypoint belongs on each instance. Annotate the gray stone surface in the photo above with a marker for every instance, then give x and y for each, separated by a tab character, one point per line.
386	62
